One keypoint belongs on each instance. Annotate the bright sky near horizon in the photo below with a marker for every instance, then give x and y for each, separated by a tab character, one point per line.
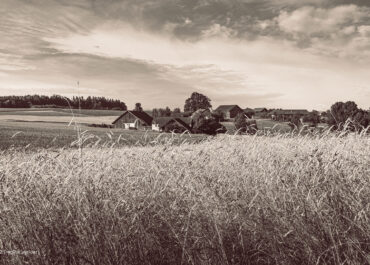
254	53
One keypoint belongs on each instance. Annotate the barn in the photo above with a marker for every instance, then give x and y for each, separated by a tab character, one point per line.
260	113
131	119
285	114
229	111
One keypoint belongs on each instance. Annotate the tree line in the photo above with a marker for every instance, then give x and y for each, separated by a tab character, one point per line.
56	101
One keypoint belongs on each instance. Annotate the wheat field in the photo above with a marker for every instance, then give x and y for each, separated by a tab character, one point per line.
278	199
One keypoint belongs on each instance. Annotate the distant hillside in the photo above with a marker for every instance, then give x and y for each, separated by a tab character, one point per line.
57	101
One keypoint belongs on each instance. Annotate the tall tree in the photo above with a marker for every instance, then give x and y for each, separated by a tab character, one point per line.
155	113
167	112
138	107
197	101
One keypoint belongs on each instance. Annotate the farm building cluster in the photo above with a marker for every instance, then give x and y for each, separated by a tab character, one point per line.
142	120
132	119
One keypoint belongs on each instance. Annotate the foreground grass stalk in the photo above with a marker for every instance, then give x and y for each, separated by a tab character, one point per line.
278	199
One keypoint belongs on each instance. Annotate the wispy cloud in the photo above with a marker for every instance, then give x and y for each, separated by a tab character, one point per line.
250	52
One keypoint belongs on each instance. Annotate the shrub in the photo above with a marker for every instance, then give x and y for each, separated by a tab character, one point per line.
243	125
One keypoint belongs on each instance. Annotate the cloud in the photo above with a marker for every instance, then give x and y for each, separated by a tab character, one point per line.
336	32
310	21
249	52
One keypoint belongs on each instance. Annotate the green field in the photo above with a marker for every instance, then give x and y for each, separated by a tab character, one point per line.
284	199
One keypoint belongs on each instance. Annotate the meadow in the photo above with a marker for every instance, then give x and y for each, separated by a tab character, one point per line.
59	112
33	136
269	199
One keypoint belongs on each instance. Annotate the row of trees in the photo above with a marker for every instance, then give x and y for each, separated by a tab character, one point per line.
61	101
166	112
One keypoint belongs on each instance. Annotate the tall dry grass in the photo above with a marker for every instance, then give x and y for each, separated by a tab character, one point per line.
229	200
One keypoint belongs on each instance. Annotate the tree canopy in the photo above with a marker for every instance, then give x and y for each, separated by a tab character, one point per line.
55	101
342	112
197	101
138	107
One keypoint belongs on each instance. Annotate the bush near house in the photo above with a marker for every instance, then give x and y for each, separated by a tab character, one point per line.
244	125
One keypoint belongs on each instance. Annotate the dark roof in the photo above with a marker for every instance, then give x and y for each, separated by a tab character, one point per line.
184	122
226	107
291	112
259	109
163	121
141	115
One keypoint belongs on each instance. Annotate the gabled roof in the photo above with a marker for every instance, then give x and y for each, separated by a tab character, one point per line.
163	121
141	115
259	109
226	107
186	120
184	123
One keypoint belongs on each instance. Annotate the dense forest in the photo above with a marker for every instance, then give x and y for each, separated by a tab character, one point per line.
57	101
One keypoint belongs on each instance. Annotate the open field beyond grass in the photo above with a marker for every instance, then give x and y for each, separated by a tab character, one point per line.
58	112
228	200
263	125
31	136
57	118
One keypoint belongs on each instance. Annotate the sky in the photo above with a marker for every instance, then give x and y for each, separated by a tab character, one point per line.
254	53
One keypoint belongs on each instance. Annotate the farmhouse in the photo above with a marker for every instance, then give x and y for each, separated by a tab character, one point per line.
168	124
286	114
131	119
229	111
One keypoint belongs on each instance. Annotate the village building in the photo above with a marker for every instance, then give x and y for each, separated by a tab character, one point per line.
131	119
286	114
168	124
229	111
260	113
